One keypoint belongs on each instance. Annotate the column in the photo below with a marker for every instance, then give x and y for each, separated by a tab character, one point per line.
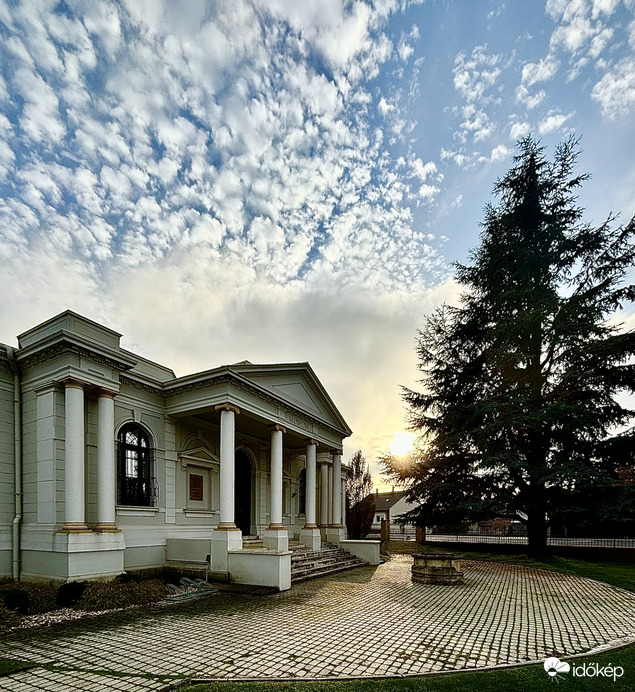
337	490
226	536
336	531
329	493
310	534
227	466
311	451
324	491
74	479
275	536
106	471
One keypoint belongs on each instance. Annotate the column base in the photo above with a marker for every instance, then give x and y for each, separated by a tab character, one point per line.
311	538
335	534
224	539
227	526
74	527
106	527
276	539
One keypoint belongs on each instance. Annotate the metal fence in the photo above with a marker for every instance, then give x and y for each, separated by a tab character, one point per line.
609	542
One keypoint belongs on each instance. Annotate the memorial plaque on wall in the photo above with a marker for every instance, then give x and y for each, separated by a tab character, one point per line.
196	487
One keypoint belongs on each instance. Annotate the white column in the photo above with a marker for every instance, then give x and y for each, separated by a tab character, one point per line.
329	492
311	451
310	534
74	477
106	472
275	536
227	536
227	466
324	491
276	477
337	490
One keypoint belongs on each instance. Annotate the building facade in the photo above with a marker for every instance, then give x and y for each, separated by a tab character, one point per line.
110	462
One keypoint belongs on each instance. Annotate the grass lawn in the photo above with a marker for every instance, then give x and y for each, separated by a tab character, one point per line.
9	665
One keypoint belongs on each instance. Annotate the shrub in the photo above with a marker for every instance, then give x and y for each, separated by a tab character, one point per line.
29	598
15	599
68	594
114	594
8	618
127	577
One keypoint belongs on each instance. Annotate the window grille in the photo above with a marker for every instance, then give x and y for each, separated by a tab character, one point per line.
136	481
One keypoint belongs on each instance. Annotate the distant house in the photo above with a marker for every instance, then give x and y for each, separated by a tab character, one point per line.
388	506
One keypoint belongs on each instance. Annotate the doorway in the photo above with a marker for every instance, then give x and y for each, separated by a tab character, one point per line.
242	492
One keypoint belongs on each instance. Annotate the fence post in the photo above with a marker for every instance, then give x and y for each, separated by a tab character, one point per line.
385	530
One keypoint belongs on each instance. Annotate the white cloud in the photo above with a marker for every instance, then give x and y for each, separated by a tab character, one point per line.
530	100
541	71
519	130
552	123
615	91
476	74
499	153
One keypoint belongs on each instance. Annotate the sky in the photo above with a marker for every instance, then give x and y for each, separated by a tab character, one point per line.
285	181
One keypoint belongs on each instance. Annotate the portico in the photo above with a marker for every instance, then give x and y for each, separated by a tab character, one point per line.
125	466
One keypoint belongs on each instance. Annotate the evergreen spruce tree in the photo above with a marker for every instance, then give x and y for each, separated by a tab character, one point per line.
518	410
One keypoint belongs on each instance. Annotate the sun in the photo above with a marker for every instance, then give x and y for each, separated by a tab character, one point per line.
401	444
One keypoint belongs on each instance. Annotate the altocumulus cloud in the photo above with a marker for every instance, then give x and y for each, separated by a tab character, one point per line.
211	179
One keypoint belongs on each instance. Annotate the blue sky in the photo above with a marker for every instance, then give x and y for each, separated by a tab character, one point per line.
284	181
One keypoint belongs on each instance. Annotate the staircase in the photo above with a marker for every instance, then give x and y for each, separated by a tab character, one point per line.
310	564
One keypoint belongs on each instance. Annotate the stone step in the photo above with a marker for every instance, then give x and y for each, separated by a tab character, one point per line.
322	560
317	554
338	567
310	564
323	564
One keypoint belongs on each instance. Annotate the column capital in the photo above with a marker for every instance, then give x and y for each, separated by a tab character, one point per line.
73	383
227	407
103	393
277	427
311	441
336	452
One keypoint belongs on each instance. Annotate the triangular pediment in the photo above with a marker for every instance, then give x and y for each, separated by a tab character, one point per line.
297	385
199	456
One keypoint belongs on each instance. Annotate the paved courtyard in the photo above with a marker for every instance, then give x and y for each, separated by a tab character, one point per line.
368	621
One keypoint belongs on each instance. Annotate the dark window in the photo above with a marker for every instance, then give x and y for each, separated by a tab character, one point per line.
302	493
136	481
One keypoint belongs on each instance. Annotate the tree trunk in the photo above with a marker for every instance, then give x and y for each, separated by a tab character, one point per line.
537	522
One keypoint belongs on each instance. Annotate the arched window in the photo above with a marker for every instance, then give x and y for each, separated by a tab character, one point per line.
136	483
302	492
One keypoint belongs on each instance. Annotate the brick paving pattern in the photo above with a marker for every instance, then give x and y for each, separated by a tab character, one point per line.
369	621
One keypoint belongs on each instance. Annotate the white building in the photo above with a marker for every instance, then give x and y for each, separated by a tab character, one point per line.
388	506
110	463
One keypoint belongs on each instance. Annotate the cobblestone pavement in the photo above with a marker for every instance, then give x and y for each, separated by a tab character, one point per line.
368	621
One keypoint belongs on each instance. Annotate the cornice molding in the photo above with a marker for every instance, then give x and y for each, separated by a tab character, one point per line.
54	351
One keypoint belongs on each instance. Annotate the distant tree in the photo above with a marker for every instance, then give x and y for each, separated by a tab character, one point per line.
360	505
519	402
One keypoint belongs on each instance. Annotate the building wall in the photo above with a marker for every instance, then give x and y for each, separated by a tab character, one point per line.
7	503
